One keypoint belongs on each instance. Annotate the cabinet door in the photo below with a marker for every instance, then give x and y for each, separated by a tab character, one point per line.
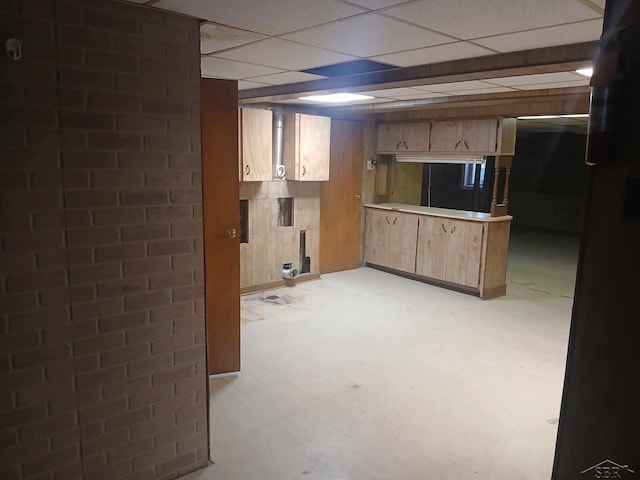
416	136
479	136
377	237
464	252
314	135
433	237
256	145
390	136
404	237
446	136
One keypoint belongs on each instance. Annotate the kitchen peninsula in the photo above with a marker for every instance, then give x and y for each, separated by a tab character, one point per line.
463	250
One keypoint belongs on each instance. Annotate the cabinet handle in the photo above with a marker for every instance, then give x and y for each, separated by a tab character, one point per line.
387	220
457	145
444	229
466	145
304	170
398	145
453	229
247	170
405	145
394	221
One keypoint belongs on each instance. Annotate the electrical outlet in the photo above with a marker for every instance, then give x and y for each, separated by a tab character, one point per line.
371	164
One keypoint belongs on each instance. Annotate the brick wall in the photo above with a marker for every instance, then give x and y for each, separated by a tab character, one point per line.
101	217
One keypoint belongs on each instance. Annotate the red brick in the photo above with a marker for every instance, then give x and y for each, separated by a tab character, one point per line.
94	273
110	21
168	280
95	309
130	450
186	444
13	180
163	31
122	287
99	343
63	258
118	216
35	281
168	247
189	355
70	56
186	162
172	374
66	295
126	388
10	304
44	391
176	463
114	141
65	439
148	332
141	123
181	53
19	341
146	266
126	354
186	195
143	197
51	461
148	365
72	99
16	262
148	86
188	262
137	46
14	222
90	160
161	106
61	219
41	356
87	37
23	201
32	159
20	416
90	199
145	232
120	252
71	403
112	62
28	116
88	120
125	321
104	443
100	377
166	143
172	312
113	102
102	411
186	229
82	78
168	406
188	324
37	319
93	236
172	343
73	367
188	293
146	300
168	213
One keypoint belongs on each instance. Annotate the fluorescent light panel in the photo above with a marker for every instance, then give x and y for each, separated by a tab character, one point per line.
585	72
336	98
546	117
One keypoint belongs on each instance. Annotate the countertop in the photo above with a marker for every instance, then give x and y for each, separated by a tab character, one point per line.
439	212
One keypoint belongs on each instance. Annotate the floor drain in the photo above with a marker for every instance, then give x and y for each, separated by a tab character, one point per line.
272	297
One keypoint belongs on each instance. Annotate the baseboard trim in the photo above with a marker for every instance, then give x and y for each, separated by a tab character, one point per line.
280	283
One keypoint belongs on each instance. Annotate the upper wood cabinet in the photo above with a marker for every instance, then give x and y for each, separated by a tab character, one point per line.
403	137
306	147
465	136
256	147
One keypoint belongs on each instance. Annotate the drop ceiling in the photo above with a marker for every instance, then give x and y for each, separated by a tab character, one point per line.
269	43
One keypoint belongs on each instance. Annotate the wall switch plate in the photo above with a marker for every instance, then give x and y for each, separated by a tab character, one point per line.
371	164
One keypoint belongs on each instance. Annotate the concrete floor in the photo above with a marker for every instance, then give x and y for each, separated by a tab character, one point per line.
367	375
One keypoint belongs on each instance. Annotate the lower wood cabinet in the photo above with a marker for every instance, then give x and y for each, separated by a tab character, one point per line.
469	254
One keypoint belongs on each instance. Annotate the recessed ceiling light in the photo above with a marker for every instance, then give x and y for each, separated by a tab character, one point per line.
536	117
336	98
575	115
585	72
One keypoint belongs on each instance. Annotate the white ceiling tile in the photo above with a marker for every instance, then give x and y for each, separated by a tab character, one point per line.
368	35
221	68
214	38
545	37
377	4
271	17
139	2
286	77
479	91
536	78
245	84
393	92
540	86
456	86
284	54
472	18
420	94
439	53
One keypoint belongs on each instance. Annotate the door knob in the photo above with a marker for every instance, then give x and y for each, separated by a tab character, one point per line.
230	233
358	196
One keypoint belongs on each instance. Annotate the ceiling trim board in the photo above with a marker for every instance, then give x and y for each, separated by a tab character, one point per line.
552	59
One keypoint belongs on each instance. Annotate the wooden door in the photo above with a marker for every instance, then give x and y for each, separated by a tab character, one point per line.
464	253
340	204
433	238
377	237
480	135
221	211
446	136
256	144
416	136
390	136
314	134
404	237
